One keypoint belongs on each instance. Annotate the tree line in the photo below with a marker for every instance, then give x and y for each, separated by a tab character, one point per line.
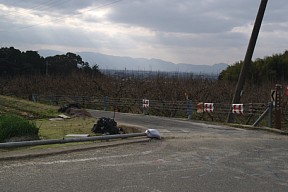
13	62
272	68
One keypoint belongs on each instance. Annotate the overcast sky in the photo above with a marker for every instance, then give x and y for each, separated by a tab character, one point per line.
180	31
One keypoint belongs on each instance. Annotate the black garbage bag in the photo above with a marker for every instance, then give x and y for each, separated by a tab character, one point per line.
106	126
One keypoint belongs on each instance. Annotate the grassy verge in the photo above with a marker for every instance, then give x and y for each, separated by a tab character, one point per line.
27	109
40	114
58	129
15	126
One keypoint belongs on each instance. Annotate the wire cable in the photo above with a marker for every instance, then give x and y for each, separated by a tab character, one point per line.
62	18
36	8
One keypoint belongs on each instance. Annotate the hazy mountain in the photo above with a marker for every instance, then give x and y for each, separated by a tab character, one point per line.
109	62
141	64
48	52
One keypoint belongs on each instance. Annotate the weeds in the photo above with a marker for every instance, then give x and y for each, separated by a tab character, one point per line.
15	126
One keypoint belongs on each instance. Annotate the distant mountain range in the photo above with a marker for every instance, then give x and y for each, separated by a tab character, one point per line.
109	62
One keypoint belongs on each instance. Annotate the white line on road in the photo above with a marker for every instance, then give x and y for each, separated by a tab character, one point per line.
66	161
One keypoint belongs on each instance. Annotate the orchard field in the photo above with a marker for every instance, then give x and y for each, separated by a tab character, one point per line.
162	89
159	87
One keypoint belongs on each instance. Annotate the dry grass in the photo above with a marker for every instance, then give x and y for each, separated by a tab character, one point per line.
28	109
44	117
41	114
57	129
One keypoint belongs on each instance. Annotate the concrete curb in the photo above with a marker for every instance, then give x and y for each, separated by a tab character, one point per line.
33	153
268	129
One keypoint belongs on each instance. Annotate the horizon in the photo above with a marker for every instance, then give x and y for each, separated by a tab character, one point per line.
78	52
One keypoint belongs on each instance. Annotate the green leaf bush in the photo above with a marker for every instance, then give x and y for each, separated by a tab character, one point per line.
15	126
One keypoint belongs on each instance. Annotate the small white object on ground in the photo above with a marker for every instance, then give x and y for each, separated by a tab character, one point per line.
153	133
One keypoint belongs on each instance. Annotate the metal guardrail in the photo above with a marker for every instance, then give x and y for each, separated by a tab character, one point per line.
68	140
150	133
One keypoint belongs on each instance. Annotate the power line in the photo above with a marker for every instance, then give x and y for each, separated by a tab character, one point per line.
62	18
42	6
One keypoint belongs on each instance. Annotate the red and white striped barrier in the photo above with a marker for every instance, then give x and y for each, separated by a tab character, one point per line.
145	103
200	107
209	107
238	109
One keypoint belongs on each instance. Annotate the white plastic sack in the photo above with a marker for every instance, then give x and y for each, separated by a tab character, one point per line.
153	133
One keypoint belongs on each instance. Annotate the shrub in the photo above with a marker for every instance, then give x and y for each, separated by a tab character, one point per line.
15	126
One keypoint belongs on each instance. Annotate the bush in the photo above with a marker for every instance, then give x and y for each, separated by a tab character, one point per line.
15	126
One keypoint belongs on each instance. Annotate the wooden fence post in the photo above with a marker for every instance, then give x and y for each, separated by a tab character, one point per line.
278	107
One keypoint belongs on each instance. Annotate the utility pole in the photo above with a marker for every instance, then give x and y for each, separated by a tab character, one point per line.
248	57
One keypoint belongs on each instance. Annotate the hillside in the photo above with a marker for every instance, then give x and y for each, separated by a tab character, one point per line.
109	62
28	109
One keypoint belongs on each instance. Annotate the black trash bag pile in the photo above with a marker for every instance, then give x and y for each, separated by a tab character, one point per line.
107	126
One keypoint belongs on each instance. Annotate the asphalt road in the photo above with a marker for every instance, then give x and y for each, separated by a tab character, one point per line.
191	157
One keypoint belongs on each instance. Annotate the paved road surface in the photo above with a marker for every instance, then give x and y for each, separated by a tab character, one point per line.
191	157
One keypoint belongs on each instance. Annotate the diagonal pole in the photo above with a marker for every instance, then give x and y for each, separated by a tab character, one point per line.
248	57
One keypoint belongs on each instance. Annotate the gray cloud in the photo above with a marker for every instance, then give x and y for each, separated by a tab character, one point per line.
171	16
145	28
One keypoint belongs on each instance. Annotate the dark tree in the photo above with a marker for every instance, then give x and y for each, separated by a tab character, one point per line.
64	64
14	62
10	61
33	63
273	68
